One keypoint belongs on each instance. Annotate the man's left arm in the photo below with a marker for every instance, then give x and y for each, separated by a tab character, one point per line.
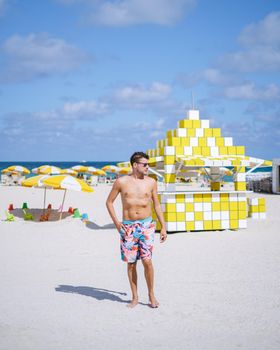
163	234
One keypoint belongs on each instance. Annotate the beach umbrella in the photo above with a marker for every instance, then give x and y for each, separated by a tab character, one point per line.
67	182
6	171
125	170
69	171
36	181
99	172
18	169
80	168
49	169
37	170
91	169
111	169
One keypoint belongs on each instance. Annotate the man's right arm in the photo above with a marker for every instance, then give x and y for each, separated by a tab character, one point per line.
109	203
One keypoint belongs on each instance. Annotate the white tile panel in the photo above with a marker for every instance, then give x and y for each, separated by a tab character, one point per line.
180	207
198	206
190	216
198	225
224	215
193	141
205	124
169	151
181	226
228	141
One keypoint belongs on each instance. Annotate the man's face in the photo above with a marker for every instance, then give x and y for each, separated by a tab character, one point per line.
142	166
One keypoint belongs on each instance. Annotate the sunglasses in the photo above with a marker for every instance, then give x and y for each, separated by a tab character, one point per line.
144	164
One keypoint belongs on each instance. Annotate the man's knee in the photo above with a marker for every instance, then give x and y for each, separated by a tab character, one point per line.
147	263
131	266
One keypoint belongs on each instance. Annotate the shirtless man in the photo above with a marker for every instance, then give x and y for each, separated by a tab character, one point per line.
137	229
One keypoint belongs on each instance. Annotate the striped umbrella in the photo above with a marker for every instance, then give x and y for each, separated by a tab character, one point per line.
37	170
99	172
125	170
111	169
67	182
69	172
18	169
50	170
80	168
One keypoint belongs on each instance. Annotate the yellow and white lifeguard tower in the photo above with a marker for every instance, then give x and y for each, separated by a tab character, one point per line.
194	145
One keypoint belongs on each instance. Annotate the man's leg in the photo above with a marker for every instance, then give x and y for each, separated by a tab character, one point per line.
132	276
149	275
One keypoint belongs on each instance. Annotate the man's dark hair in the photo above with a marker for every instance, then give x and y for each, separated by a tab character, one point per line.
136	156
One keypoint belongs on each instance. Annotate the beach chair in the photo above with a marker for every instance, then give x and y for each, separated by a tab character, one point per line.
9	217
27	216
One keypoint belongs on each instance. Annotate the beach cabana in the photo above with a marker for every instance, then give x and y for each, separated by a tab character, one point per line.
191	146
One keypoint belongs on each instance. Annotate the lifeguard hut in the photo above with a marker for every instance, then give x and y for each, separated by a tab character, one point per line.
193	146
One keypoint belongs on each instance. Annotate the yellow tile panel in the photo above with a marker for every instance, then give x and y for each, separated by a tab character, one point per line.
180	198
181	217
190	225
205	151
198	216
220	142
216	132
216	206
189	207
198	197
208	225
216	224
202	141
208	132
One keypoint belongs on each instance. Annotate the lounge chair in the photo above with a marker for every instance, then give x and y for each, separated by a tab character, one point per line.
27	215
9	216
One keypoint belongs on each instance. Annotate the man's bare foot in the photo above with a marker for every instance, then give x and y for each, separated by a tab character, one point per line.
153	302
133	303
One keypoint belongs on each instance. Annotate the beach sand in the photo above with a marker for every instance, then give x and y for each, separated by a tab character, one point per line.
63	285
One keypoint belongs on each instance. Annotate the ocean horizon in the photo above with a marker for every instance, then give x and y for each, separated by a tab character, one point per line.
61	164
68	164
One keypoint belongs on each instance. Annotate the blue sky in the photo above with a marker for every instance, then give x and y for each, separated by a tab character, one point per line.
98	80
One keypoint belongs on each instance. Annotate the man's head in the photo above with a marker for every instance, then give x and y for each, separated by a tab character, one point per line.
139	162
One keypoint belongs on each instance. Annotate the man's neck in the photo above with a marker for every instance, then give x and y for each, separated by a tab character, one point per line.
137	176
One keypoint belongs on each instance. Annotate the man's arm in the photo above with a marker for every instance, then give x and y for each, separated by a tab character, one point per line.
109	203
163	234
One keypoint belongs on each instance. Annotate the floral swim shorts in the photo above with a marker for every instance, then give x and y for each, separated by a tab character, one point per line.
137	240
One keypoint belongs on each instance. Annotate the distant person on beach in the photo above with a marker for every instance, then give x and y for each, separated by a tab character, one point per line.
137	230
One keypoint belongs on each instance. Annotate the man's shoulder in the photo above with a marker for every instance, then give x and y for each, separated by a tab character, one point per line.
123	179
150	180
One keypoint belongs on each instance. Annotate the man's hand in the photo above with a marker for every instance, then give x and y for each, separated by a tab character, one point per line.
163	235
120	226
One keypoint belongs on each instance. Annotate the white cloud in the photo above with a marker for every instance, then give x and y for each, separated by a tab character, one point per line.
264	33
38	55
139	96
133	12
249	91
85	108
260	47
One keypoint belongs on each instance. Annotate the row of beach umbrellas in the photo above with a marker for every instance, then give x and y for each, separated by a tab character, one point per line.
53	170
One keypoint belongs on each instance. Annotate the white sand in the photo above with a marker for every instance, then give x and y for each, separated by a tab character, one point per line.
63	285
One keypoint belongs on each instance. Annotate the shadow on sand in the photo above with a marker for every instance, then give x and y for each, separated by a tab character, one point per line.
96	293
93	226
54	214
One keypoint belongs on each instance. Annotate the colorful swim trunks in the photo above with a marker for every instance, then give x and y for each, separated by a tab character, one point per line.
137	240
